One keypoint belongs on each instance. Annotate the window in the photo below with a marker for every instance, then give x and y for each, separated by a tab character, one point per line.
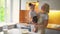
2	10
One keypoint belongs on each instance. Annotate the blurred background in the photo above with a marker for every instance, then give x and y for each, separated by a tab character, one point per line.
54	14
15	12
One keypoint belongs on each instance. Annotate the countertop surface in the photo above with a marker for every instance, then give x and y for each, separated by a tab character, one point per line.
18	31
53	26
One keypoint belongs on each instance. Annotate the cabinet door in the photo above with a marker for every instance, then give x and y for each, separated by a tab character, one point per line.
23	16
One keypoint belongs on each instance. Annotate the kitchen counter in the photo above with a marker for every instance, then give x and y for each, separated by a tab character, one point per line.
50	26
53	26
1	33
18	31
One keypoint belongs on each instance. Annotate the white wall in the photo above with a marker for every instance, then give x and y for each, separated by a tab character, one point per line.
23	3
54	4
